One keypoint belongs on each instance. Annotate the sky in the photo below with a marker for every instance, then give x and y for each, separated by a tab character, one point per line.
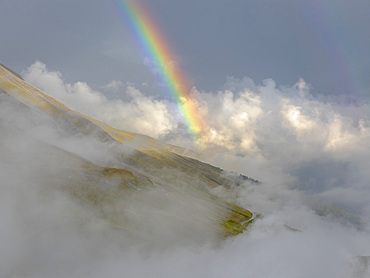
282	87
323	42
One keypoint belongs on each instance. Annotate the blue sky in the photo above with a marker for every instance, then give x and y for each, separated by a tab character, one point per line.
324	42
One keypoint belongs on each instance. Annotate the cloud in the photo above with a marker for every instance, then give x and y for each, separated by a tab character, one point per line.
48	227
305	150
263	129
270	133
267	115
139	114
114	86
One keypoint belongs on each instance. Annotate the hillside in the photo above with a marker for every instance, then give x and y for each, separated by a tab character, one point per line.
136	179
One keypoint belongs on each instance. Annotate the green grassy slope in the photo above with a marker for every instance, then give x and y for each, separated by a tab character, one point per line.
163	181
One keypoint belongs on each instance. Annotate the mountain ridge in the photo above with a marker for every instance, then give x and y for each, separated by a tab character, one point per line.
151	166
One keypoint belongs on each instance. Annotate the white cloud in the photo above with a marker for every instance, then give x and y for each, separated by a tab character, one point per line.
258	130
266	132
113	86
302	147
139	114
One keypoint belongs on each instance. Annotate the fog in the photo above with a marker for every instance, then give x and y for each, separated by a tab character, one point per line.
308	152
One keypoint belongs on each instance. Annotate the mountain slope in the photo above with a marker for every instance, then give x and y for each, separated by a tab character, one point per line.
140	180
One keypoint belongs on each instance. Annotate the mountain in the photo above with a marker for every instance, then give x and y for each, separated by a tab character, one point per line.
134	183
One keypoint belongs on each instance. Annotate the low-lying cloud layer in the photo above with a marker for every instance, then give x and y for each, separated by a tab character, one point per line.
270	133
140	113
306	150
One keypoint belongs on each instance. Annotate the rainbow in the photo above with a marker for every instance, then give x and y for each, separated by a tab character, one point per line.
159	52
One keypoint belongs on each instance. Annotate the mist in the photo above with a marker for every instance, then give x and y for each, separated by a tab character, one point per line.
308	152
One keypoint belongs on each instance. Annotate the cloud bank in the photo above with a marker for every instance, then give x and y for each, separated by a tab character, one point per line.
264	131
305	149
140	113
